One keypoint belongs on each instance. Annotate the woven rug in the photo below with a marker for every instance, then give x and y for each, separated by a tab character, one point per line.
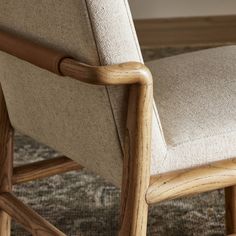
82	204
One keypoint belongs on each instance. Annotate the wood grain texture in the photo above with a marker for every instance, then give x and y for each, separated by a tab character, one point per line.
6	161
136	172
186	31
230	209
29	219
192	181
5	224
120	74
61	64
29	50
43	169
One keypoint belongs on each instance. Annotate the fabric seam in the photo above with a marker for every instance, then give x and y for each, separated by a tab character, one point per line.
99	58
132	30
159	125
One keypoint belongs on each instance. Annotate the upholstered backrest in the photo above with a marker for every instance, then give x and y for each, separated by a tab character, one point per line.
84	122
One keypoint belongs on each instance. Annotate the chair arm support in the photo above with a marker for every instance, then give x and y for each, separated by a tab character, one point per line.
64	65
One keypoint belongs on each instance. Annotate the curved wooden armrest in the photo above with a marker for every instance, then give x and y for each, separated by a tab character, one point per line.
64	65
125	73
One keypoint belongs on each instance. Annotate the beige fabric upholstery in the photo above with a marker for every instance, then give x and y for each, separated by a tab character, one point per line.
196	98
84	122
77	119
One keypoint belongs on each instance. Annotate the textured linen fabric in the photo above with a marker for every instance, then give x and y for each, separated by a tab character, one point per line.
84	122
195	95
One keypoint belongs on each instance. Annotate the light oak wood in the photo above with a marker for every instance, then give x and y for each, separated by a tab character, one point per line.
62	64
42	169
29	219
121	74
136	173
186	31
230	208
192	181
5	224
6	159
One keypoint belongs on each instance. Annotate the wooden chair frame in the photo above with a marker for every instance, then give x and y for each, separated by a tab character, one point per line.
139	188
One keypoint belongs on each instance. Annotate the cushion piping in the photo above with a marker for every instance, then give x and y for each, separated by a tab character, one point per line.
99	58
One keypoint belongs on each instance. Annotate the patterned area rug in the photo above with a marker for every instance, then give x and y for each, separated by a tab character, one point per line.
82	204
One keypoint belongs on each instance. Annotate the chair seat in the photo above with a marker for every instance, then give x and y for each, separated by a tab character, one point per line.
195	94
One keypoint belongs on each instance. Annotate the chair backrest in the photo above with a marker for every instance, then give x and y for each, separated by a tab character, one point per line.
82	121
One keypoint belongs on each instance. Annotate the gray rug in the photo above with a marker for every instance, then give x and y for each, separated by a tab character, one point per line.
82	204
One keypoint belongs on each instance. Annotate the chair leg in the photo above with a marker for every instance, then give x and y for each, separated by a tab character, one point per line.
136	166
230	208
134	221
134	208
6	162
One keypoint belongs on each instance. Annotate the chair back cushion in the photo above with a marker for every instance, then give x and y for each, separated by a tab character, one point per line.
84	122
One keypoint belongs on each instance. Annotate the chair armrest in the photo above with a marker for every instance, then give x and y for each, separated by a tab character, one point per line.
125	73
64	65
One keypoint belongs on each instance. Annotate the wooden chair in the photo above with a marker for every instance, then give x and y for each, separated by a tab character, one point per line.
72	77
